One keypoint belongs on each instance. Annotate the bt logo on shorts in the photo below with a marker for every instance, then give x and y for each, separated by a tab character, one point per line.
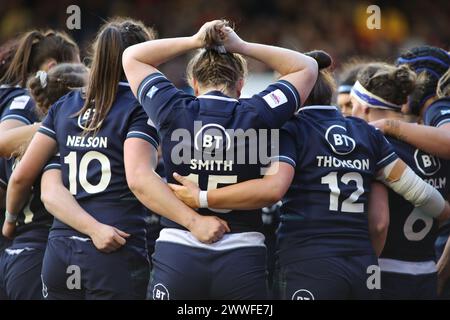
160	292
339	141
303	294
426	163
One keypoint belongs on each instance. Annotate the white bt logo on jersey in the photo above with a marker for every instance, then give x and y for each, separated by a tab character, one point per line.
302	294
212	138
426	163
339	141
160	292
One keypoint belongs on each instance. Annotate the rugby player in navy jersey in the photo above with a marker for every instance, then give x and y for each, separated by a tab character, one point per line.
408	259
234	267
21	262
36	51
432	133
106	152
324	173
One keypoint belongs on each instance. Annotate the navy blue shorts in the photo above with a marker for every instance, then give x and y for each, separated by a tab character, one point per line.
332	278
182	272
20	273
75	269
398	286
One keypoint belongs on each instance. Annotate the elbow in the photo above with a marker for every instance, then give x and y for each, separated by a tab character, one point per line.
274	193
135	184
380	228
312	68
127	57
48	197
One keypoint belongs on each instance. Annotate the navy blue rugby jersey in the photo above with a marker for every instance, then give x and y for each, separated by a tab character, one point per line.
217	140
93	166
17	104
438	113
412	234
324	212
34	221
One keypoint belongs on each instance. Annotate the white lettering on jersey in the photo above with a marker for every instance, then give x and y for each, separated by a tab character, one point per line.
275	98
218	165
19	103
332	162
444	112
87	142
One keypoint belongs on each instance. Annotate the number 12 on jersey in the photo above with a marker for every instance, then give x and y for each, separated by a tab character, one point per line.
350	204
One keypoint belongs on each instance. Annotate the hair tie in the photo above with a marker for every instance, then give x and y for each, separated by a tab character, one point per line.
42	76
371	100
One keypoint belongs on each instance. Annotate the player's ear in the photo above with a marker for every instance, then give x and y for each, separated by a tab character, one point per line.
239	86
195	86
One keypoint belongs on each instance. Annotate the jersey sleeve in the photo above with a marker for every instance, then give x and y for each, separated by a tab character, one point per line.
276	104
287	152
48	124
21	108
437	115
386	153
141	127
53	163
158	95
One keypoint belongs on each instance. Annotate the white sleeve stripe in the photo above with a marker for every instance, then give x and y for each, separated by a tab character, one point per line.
47	129
442	122
289	159
385	158
141	91
292	91
16	117
52	166
144	134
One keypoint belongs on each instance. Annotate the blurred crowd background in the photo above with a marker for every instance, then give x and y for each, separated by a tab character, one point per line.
338	27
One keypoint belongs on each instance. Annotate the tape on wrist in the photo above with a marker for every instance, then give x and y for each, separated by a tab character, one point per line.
203	199
10	217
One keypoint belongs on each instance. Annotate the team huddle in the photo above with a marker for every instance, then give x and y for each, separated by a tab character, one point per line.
115	184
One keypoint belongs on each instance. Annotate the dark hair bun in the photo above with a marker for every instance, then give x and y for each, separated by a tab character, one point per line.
323	59
434	60
404	78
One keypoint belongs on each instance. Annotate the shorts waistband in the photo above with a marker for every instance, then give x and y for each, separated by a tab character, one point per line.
229	241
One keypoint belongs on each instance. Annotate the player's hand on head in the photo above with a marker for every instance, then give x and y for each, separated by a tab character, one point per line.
8	229
108	239
230	40
209	229
188	192
200	36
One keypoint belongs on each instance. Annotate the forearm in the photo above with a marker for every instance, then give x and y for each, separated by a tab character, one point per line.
435	141
62	205
17	195
154	193
281	60
16	139
378	216
156	52
248	195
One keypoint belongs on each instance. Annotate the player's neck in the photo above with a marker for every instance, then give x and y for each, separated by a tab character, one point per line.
377	114
225	91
